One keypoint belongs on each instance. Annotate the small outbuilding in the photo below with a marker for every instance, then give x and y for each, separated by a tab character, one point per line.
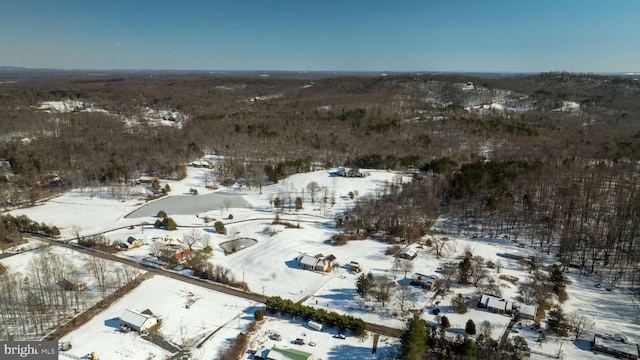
288	354
67	285
137	321
354	266
615	346
408	253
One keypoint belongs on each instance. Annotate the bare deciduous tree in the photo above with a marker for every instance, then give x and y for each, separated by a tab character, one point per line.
99	268
439	243
405	296
579	323
486	329
313	188
196	236
384	289
448	272
406	266
478	270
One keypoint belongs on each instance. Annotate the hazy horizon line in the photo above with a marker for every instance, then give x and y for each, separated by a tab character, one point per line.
267	71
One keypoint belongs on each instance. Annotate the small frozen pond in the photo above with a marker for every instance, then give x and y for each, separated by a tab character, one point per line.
232	246
189	204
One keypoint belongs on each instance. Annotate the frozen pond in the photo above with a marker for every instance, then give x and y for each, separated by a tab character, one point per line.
189	204
232	246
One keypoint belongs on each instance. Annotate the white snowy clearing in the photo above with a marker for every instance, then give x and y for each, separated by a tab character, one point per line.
269	267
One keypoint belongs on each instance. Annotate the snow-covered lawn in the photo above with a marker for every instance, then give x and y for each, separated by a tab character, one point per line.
269	267
326	346
188	313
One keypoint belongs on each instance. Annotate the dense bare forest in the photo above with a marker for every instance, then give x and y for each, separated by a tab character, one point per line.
550	157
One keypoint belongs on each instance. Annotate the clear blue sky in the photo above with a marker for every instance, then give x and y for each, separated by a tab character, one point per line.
323	35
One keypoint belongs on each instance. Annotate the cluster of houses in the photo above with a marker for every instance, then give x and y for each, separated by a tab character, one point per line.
201	164
318	262
353	172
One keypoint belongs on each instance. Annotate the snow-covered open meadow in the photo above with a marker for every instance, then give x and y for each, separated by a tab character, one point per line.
269	268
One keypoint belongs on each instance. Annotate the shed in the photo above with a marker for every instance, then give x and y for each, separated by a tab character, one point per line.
67	285
408	253
138	321
619	349
133	242
354	266
288	354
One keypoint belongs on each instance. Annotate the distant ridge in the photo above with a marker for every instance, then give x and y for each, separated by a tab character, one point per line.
275	73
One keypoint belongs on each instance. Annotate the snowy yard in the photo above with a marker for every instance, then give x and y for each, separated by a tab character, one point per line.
269	267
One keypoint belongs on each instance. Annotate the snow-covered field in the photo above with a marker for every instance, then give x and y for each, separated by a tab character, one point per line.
269	268
189	315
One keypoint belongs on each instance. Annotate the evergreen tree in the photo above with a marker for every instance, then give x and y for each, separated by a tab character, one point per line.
413	340
220	228
364	284
463	270
458	305
556	322
558	280
444	321
465	347
520	348
470	327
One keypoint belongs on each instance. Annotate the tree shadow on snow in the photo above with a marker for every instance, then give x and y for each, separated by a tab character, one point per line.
350	352
583	344
250	311
338	294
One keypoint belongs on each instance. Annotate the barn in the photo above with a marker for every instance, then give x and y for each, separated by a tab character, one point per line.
137	321
288	354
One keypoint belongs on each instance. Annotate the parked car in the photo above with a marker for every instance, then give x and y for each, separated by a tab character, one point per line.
276	337
312	343
340	336
299	341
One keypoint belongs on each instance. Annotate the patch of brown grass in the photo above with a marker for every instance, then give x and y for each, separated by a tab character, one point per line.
509	278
